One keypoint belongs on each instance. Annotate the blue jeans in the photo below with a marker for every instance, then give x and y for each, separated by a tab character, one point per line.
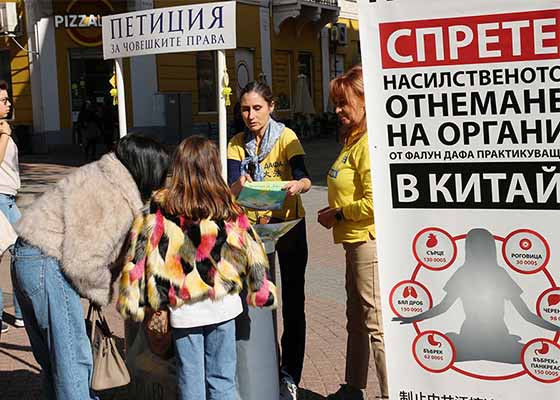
206	362
9	209
54	322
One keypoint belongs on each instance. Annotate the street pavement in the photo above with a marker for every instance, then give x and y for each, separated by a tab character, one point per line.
325	295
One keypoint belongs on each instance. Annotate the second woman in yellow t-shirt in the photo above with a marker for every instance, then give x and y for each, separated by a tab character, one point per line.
350	215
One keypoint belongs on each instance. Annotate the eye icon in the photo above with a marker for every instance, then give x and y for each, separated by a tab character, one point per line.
525	244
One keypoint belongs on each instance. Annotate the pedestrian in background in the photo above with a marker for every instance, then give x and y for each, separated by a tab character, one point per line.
190	252
9	185
268	151
90	124
69	242
350	216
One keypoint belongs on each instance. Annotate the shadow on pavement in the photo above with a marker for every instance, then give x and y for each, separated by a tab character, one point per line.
17	347
20	384
305	394
19	359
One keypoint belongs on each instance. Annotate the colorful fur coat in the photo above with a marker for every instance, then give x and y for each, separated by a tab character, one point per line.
173	261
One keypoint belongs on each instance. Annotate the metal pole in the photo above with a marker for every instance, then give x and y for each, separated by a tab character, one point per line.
222	113
120	96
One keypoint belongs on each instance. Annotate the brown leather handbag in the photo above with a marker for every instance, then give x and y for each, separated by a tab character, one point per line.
158	332
109	369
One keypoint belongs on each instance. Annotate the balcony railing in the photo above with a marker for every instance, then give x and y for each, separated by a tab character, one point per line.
332	3
317	12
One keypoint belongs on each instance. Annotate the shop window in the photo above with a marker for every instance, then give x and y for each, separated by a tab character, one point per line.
305	66
282	79
337	65
89	79
6	75
207	79
5	69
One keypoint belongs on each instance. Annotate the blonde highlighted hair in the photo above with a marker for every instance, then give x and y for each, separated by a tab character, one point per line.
345	89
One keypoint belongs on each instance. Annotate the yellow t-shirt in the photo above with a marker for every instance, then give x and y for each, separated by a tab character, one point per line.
276	167
349	187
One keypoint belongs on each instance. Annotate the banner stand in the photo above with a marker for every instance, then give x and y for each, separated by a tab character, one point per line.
222	113
121	104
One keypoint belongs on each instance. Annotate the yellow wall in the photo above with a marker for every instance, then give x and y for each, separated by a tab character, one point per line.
21	80
289	42
351	50
177	71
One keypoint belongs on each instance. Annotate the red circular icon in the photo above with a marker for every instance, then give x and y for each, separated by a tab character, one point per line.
525	244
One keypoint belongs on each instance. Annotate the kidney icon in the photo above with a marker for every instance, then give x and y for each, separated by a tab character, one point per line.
432	340
545	348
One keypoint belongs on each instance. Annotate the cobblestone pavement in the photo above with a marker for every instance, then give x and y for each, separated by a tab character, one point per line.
325	295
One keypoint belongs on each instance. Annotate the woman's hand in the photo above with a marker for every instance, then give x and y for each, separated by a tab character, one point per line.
238	184
297	187
293	188
327	217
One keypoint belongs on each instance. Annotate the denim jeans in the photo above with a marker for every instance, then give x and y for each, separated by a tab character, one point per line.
206	361
9	208
54	322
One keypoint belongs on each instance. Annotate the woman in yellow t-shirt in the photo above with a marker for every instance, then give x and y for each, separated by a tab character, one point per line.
268	151
350	215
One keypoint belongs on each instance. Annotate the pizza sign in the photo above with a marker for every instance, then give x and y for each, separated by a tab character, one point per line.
82	21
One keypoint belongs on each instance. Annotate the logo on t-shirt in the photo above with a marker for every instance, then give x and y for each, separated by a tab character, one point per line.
333	173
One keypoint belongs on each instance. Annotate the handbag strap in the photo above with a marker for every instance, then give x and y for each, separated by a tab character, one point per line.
95	315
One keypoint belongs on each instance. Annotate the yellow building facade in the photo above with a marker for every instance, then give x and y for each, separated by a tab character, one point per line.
53	62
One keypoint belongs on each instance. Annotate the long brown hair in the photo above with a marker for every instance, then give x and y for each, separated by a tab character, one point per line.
348	88
197	189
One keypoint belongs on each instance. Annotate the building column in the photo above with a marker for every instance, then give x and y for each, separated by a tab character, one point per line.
147	104
266	53
42	66
325	66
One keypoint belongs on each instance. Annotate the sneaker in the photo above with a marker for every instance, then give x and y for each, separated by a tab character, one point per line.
18	323
288	389
4	326
346	392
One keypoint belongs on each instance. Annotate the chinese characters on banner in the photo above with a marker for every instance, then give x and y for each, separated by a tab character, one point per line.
463	106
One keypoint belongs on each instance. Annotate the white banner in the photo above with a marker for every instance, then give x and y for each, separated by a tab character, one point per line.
463	107
195	27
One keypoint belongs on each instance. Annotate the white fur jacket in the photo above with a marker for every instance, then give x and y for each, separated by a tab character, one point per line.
83	222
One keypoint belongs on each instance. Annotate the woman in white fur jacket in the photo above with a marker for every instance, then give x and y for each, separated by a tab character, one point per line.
69	242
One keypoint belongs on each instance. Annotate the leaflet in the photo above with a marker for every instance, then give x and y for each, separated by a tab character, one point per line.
263	195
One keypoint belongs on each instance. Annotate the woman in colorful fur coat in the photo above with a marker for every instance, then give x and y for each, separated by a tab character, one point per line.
190	251
70	240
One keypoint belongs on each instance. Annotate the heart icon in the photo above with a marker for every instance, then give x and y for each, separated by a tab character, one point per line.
553	299
432	241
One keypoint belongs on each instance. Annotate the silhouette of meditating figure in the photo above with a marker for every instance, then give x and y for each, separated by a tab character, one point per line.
483	286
